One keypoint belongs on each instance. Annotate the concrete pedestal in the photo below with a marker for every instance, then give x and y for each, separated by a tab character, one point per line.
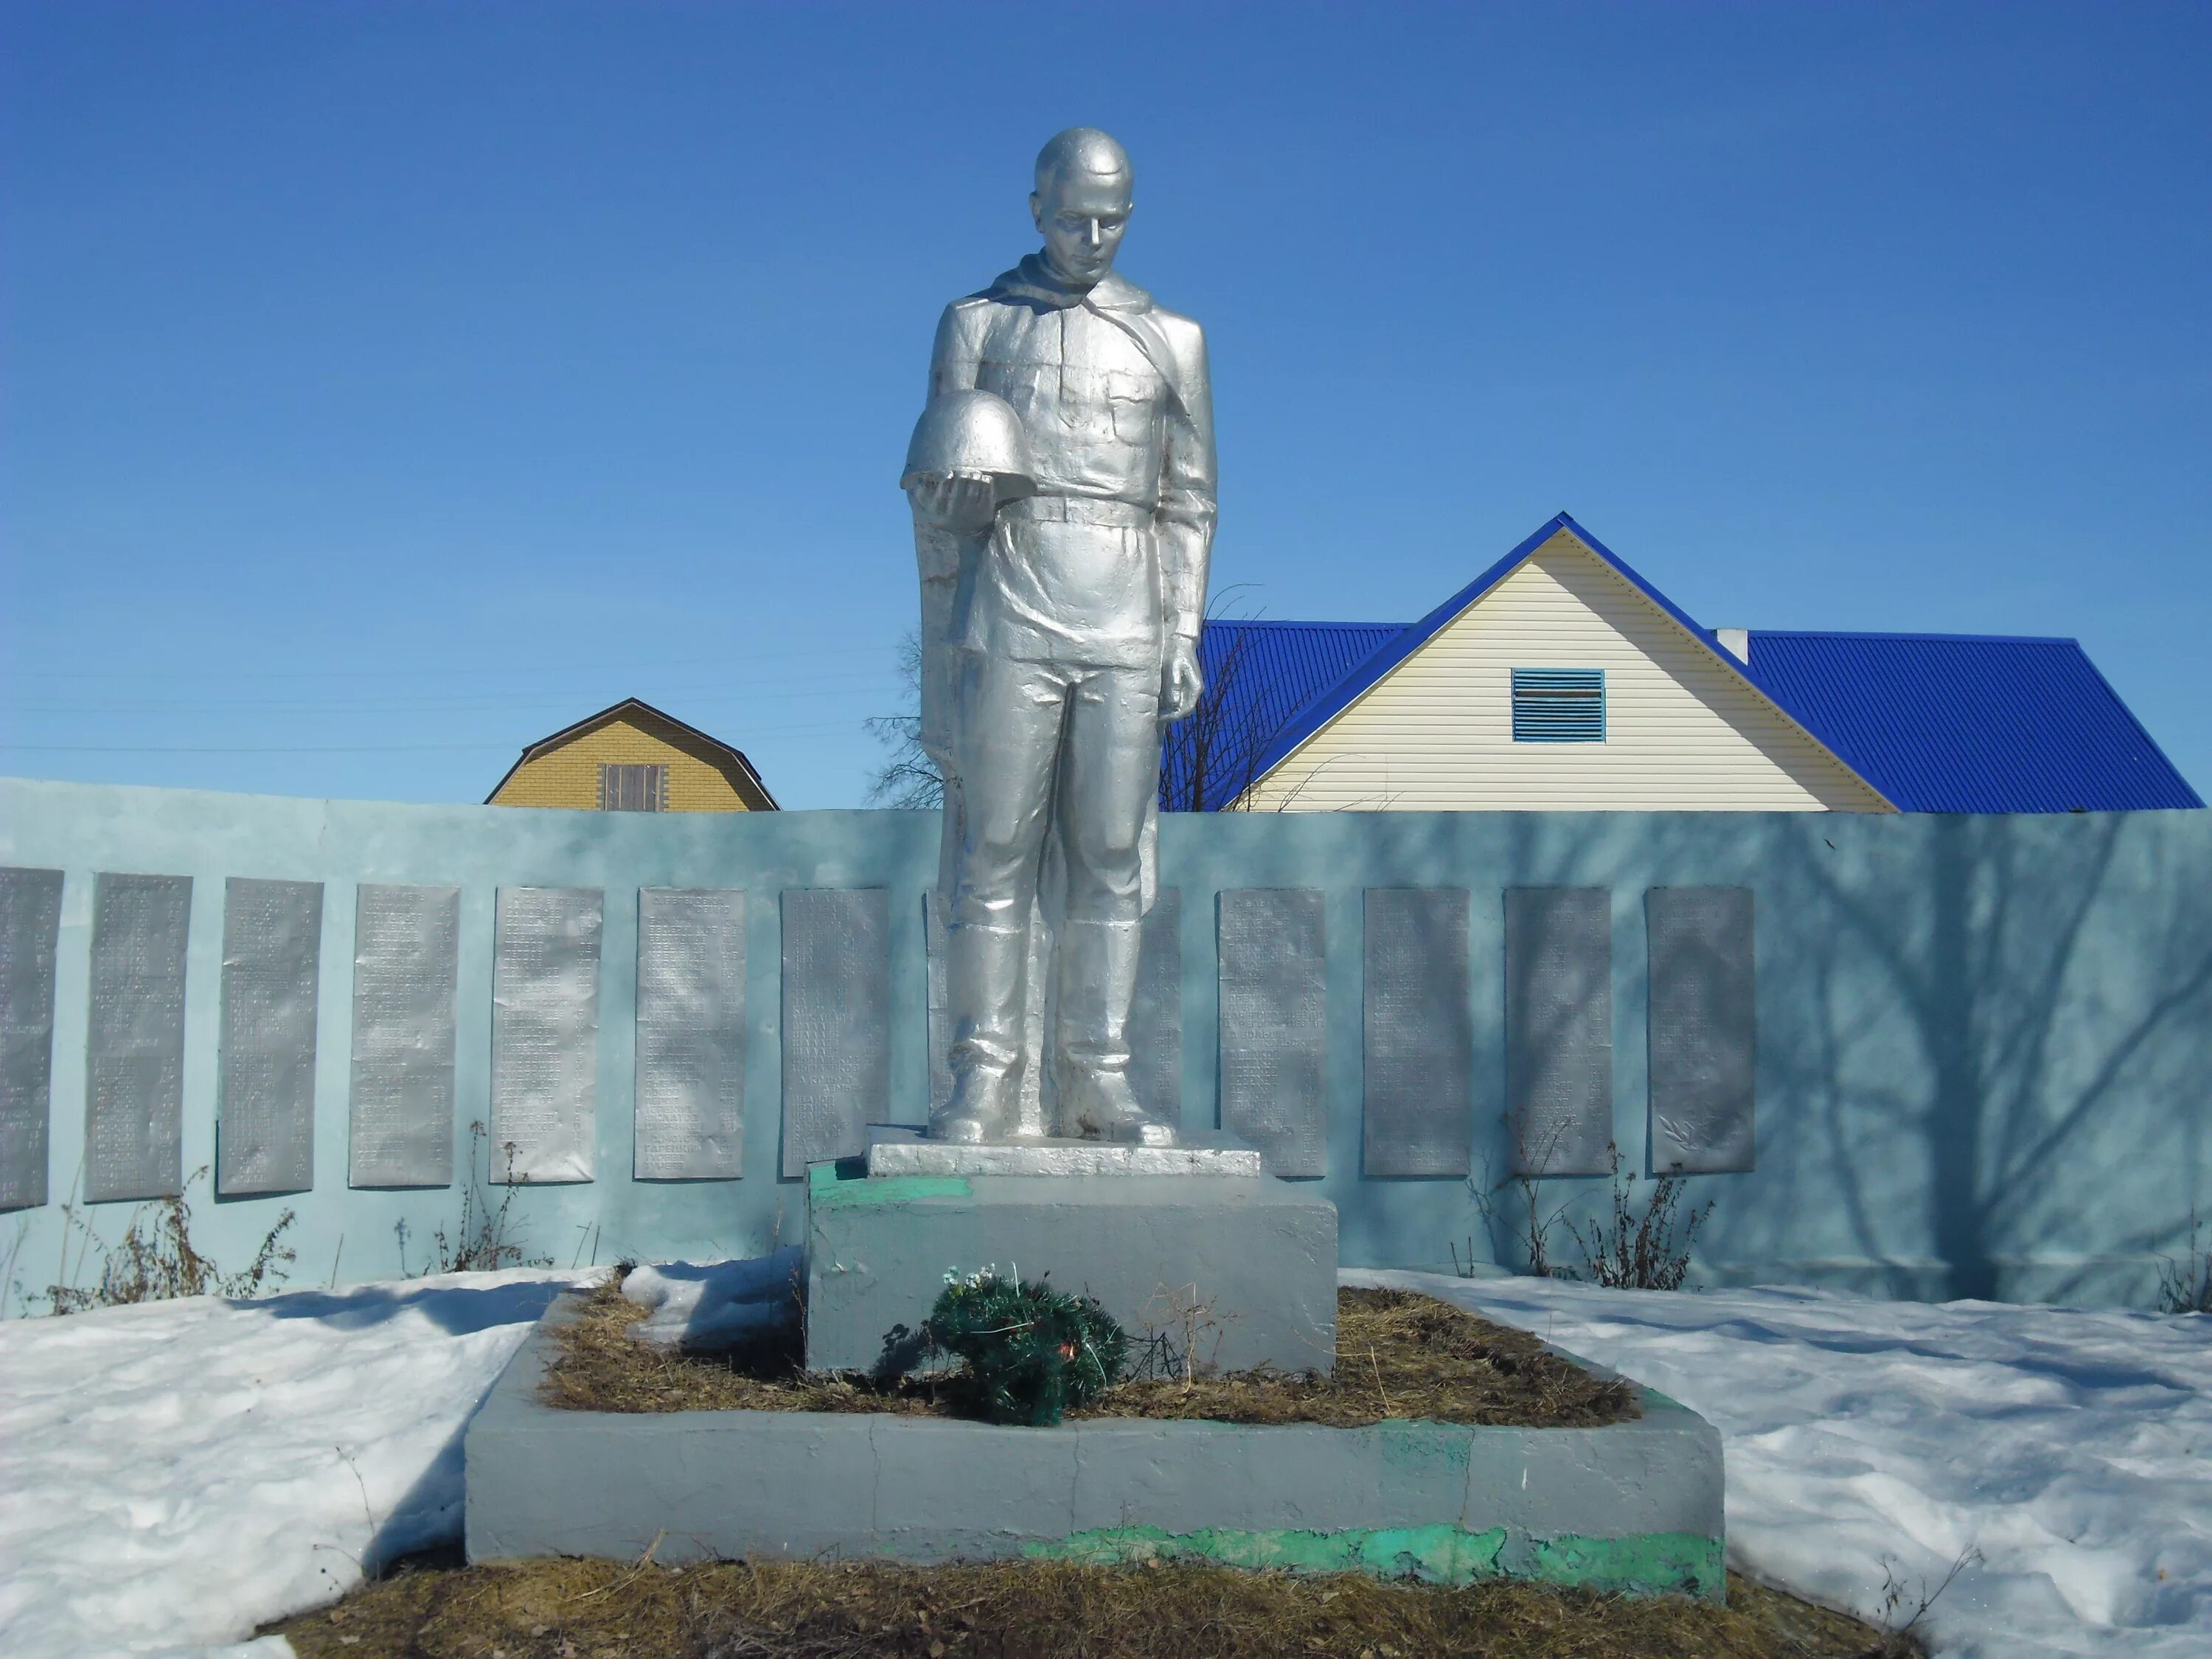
1261	1253
1628	1508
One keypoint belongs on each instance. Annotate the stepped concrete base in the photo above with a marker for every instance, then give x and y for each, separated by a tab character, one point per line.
1632	1508
1261	1254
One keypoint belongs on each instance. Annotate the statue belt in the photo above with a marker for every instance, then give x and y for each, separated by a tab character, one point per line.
1079	510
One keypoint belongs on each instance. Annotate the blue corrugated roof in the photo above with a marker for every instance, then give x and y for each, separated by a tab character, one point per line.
1960	723
1258	675
1935	723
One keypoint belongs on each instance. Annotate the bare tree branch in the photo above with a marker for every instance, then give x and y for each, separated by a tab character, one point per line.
908	778
1210	761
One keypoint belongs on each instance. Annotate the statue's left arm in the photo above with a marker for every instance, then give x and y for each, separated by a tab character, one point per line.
1186	508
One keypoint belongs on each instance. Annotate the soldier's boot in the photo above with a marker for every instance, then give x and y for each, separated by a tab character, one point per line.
1097	982
984	970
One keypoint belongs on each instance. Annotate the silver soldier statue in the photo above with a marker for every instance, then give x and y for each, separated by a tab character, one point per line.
1062	480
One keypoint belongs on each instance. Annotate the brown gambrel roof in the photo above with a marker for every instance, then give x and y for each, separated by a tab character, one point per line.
639	706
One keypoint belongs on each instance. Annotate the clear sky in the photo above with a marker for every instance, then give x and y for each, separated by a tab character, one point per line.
388	385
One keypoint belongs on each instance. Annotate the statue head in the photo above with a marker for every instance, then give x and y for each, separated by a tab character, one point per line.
1082	202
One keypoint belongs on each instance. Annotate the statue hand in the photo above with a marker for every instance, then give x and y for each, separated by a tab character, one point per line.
1180	680
956	503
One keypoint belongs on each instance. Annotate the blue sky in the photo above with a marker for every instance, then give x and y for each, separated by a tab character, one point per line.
385	385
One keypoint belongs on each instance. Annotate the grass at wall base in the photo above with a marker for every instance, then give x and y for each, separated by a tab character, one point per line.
2184	1286
482	1241
155	1260
1631	1247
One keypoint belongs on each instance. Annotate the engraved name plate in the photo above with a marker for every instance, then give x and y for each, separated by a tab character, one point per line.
1274	1025
939	997
30	929
836	1022
273	935
1156	1011
1420	1032
545	1034
134	1037
1704	1027
406	976
1559	1029
690	1114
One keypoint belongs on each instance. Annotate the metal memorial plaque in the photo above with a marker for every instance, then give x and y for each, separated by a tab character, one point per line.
940	1000
1274	1025
405	973
134	1085
836	1022
690	1114
30	929
272	936
1156	1012
545	1033
1559	1029
1704	1027
1418	1024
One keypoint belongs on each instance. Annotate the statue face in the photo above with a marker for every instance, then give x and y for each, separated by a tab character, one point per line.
1082	222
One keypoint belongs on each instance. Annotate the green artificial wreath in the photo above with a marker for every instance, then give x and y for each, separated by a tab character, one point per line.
1031	1351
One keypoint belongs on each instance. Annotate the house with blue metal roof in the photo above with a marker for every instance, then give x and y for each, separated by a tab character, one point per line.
1561	680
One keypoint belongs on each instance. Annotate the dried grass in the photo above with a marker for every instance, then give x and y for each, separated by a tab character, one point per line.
1400	1355
567	1609
600	1367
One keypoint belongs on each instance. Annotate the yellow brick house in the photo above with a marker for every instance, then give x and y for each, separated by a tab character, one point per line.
633	759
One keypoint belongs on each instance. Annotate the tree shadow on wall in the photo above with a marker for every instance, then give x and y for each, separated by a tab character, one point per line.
2019	1051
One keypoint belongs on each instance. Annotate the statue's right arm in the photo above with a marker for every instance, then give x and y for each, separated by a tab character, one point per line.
954	361
957	355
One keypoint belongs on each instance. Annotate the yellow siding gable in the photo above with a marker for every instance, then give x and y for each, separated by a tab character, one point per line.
701	778
1683	732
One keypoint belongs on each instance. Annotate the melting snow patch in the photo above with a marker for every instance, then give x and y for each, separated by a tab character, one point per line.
2069	1450
715	1303
172	1476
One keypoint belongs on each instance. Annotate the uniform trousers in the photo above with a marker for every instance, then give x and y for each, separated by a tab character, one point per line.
1072	751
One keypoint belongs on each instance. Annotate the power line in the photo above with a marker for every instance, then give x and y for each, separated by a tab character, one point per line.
507	748
279	749
846	685
725	658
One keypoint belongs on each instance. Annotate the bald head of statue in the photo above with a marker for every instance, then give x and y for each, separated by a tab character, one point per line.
1081	204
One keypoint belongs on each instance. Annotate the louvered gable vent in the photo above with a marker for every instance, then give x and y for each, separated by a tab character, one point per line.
1559	705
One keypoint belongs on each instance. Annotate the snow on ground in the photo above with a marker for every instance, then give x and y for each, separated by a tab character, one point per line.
2071	1449
717	1302
174	1475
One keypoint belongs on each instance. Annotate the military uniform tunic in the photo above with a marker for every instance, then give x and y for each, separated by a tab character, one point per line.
1110	557
1042	667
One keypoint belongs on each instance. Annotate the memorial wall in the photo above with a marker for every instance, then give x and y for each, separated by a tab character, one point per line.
1929	1056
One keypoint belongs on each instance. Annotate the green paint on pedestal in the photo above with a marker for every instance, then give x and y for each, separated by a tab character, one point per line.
825	1186
1442	1554
1647	1563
